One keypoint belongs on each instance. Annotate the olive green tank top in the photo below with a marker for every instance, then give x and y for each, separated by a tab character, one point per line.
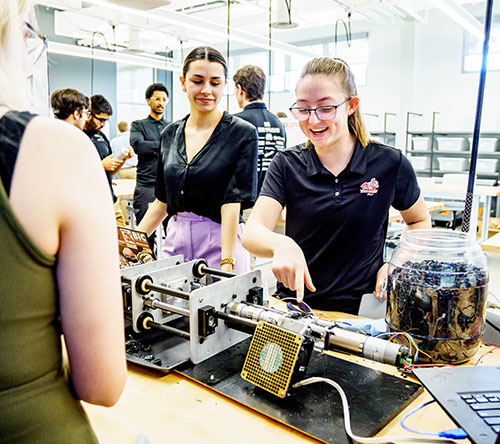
36	404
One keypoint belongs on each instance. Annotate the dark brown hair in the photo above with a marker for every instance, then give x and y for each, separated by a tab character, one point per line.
252	80
339	69
66	101
204	53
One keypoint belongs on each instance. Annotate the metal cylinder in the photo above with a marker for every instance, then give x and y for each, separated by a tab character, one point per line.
168	329
215	272
168	291
254	312
236	319
155	303
375	349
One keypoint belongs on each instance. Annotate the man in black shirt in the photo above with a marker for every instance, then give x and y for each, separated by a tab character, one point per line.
145	139
250	83
100	110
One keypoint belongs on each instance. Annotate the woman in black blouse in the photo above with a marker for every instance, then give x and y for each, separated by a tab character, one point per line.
207	171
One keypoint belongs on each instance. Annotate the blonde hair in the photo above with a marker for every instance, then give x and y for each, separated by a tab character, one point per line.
340	69
13	79
122	126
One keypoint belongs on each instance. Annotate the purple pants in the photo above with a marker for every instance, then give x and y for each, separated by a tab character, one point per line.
198	237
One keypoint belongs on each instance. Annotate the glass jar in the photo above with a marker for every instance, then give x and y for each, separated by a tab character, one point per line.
437	290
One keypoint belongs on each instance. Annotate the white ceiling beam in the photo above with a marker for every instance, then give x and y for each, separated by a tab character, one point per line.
461	16
148	61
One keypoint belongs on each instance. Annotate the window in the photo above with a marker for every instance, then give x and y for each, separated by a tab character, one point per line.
356	55
473	50
285	69
131	84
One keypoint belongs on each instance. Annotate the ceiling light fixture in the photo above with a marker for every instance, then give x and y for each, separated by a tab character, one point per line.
460	15
110	56
203	26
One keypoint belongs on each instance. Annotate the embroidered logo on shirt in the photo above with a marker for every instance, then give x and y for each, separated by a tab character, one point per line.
369	188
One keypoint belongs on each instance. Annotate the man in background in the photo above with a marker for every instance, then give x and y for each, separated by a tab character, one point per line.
145	139
250	83
100	111
119	143
70	105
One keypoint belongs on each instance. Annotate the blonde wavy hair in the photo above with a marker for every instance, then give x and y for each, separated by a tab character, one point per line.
14	91
340	70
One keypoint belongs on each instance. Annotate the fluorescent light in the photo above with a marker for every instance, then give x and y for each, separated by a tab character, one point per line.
460	15
201	27
107	56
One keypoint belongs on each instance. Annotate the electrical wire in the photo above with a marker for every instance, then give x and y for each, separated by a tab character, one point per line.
347	419
92	58
496	347
347	28
411	341
451	433
295	300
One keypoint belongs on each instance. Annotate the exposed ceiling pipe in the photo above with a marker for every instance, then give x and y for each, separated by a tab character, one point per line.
284	15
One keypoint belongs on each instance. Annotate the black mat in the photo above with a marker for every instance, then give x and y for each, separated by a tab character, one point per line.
374	397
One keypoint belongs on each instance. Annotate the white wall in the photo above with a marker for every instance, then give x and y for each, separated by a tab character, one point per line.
440	84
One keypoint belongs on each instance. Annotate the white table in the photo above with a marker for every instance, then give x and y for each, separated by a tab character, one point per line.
481	193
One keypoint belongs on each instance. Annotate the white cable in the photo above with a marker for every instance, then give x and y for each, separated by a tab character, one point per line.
347	419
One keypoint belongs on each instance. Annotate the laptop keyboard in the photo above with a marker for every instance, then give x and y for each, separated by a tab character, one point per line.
487	406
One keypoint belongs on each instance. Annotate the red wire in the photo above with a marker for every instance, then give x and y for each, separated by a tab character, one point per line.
411	366
484	354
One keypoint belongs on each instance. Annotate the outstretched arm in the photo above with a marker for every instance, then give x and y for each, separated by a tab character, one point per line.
289	265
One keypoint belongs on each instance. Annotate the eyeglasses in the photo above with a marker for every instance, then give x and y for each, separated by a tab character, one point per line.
159	99
85	113
322	112
36	44
103	120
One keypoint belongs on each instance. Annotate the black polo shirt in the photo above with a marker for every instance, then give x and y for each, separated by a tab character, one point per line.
145	140
103	147
224	171
340	222
272	136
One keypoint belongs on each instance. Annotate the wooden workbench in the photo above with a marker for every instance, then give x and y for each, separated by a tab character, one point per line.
169	408
395	215
492	244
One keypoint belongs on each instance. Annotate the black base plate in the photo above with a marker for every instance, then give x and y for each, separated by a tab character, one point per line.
374	397
155	349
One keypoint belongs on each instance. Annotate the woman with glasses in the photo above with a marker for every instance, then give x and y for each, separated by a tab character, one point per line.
59	263
337	189
207	171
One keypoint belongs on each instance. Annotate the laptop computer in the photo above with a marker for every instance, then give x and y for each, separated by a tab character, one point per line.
469	395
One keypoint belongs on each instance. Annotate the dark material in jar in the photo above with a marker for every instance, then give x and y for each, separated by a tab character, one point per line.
441	305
